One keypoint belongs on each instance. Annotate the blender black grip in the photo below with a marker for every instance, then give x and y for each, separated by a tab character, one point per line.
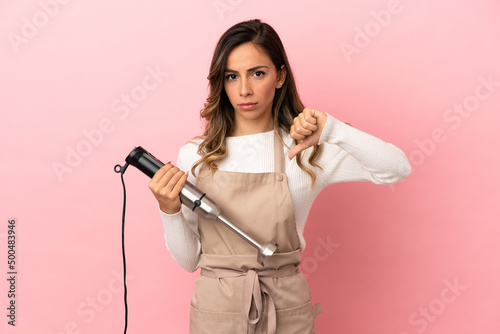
190	196
144	161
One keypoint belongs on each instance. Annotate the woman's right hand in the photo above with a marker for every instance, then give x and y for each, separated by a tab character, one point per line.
166	186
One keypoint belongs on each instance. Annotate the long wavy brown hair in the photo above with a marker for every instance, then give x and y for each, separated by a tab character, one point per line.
218	113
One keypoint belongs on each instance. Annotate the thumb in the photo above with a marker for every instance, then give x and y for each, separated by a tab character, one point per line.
298	148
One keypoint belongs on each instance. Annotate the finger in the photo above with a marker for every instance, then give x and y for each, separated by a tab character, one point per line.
174	180
297	149
180	184
311	115
162	182
311	120
168	176
299	127
160	174
307	126
294	134
165	188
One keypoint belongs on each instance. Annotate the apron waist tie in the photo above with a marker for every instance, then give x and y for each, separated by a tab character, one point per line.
257	302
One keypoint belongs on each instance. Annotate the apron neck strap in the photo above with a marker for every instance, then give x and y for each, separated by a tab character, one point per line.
279	156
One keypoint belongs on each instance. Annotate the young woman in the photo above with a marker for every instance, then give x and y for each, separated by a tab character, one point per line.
263	158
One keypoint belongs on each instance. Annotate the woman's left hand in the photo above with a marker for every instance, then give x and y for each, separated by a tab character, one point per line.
307	128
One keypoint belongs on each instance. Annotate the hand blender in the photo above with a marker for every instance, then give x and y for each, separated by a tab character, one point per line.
195	199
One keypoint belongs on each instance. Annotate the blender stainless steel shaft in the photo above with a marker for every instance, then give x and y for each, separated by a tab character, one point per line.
196	200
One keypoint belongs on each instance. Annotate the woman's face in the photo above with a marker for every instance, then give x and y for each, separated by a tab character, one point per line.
250	81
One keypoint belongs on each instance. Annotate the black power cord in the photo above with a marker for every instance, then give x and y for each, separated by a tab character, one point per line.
121	170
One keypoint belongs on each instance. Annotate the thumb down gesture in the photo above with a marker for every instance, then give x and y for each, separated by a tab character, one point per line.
307	128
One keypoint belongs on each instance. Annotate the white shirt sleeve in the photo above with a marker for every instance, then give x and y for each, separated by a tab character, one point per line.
181	230
350	154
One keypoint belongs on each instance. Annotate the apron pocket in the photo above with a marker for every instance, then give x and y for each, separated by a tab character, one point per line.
209	322
295	320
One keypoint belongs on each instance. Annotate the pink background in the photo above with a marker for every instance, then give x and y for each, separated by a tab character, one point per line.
418	256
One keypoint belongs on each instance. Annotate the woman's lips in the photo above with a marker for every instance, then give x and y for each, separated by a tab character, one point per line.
247	106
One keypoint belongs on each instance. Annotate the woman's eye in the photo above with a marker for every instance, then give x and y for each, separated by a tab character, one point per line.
230	76
259	73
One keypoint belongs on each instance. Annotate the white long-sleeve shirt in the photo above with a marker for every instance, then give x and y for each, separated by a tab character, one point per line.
348	154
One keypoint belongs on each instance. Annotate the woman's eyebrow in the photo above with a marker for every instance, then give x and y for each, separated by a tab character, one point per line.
249	70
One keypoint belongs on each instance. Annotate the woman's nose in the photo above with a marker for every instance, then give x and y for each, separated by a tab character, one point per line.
245	88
